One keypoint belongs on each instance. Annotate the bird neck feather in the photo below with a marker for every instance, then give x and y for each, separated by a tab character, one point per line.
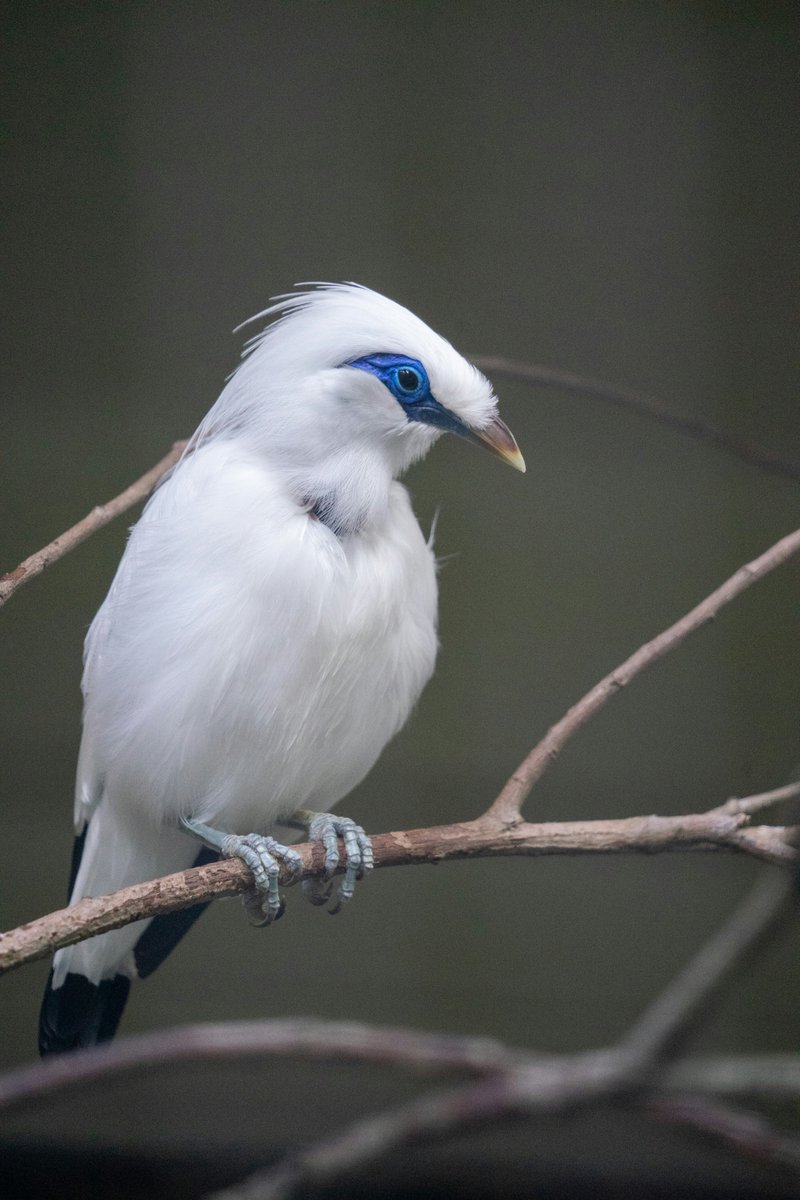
348	492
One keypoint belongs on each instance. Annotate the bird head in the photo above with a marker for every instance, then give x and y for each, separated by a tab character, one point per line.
348	386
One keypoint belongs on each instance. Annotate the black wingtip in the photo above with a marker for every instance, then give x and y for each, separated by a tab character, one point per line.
80	1013
163	933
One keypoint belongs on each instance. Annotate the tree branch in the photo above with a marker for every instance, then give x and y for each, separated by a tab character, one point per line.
626	398
32	566
749	1134
511	1082
507	805
644	405
482	838
666	1025
632	1070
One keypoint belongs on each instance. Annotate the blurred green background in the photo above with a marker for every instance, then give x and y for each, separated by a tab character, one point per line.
607	188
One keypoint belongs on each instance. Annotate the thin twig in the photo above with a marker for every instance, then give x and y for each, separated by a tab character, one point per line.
761	800
747	1133
769	1076
664	1027
32	566
508	804
545	376
647	406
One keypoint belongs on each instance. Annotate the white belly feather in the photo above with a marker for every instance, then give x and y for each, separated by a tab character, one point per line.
245	663
267	670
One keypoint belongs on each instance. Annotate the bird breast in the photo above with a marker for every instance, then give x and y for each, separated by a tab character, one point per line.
247	661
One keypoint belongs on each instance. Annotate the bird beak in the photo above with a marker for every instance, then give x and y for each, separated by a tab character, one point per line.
499	439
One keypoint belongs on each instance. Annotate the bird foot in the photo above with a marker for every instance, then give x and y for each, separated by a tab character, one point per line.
328	828
264	856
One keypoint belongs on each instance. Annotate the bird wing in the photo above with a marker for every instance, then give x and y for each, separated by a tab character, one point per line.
91	770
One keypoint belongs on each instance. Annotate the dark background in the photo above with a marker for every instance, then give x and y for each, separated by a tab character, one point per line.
608	188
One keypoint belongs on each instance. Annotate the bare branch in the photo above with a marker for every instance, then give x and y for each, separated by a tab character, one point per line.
633	1070
761	800
647	406
512	1083
665	1026
770	1076
508	804
485	837
303	1037
32	566
580	1082
748	1133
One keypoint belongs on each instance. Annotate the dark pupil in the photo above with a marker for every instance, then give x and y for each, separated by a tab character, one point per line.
408	379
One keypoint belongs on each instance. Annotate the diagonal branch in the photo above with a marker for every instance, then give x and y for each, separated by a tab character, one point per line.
666	1025
32	566
647	406
507	805
633	1070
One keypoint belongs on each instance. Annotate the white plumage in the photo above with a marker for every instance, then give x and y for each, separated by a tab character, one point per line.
273	618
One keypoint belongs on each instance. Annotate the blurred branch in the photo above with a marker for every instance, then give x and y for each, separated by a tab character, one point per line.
666	1025
747	1133
644	405
766	1076
511	1083
632	1071
32	566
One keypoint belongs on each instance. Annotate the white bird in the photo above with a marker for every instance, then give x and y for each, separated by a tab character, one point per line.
271	624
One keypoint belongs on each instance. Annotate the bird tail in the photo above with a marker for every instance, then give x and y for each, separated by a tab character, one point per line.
89	983
80	1013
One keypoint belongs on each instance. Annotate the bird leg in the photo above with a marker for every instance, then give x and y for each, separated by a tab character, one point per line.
328	828
263	855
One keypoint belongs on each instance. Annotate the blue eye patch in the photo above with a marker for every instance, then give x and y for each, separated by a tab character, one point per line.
407	380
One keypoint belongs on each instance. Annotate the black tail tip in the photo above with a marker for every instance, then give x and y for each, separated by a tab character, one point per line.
80	1013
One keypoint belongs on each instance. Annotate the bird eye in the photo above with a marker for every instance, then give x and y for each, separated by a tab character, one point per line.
409	380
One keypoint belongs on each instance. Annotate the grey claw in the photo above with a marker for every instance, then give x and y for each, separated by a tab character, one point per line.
263	856
258	913
328	828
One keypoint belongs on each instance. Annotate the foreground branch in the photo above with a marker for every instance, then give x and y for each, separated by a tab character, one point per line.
634	1071
772	1077
507	1082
